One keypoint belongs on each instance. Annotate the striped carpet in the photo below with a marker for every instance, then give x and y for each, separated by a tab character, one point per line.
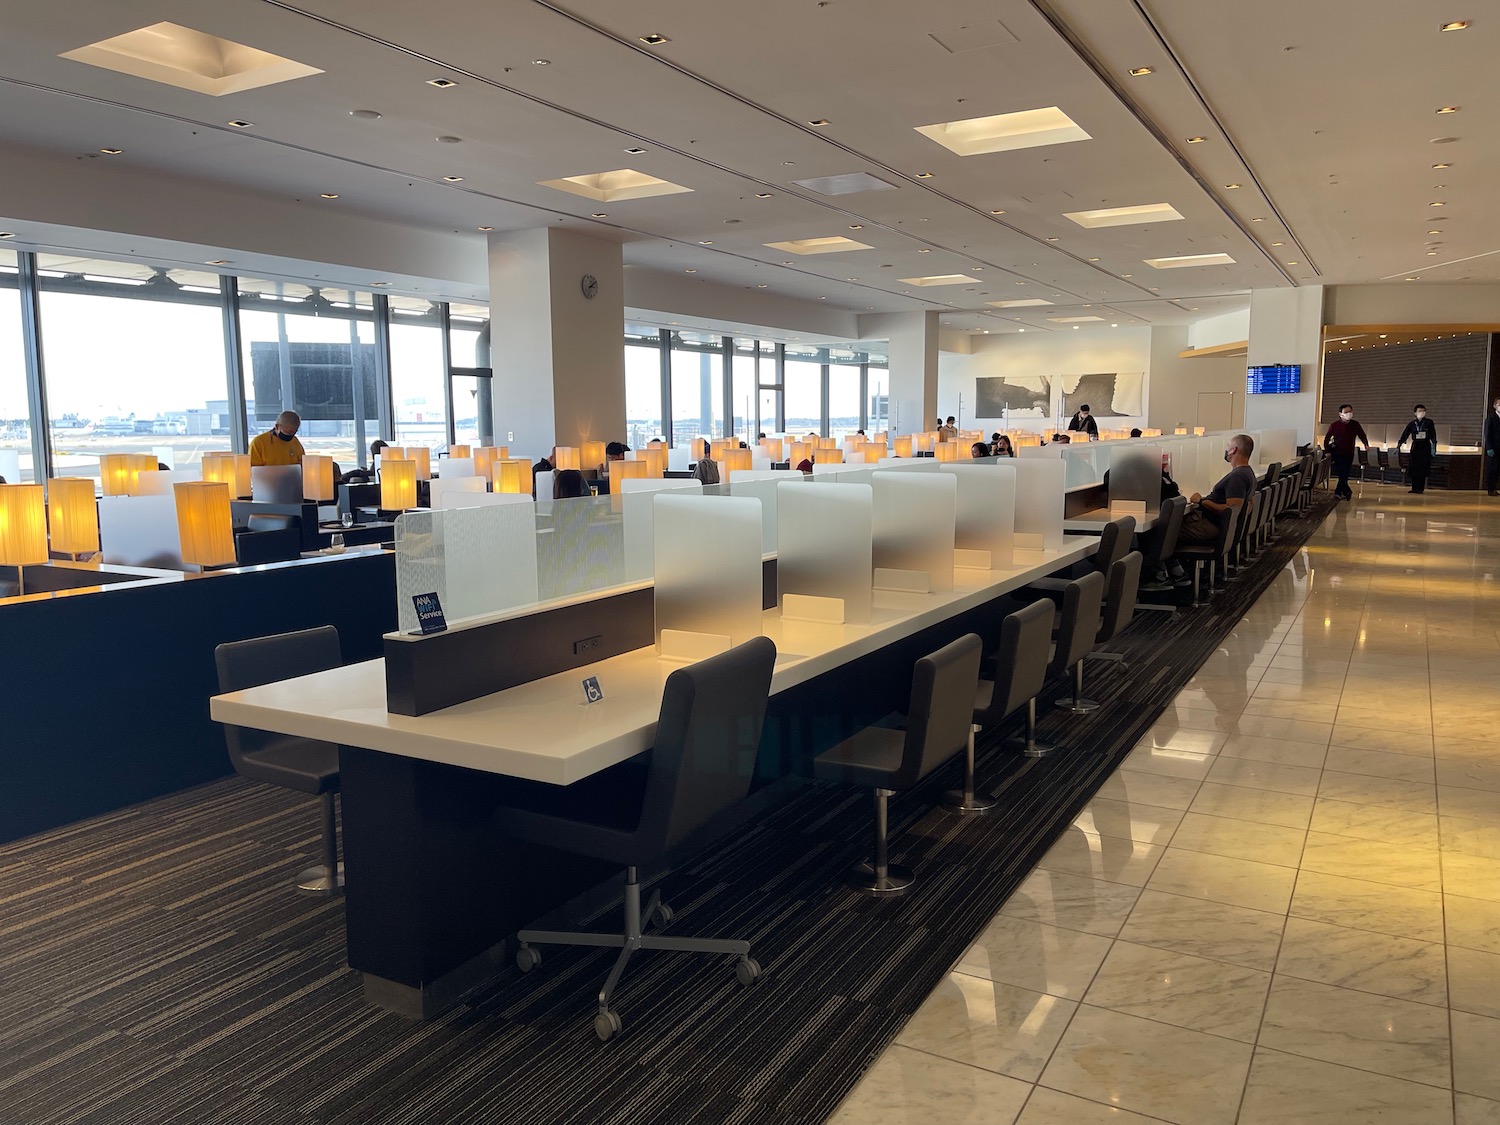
158	969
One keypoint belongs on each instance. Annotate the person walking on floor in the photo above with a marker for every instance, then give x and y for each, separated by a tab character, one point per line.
1343	432
1492	449
1421	431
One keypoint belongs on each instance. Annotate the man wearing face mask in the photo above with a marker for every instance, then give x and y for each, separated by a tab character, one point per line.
1201	523
1492	449
1340	439
1421	431
1083	422
279	444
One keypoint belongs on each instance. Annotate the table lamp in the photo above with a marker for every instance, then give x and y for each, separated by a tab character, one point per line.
566	457
398	485
511	475
423	458
800	451
461	451
204	527
626	470
903	446
772	446
945	450
23	528
317	477
116	472
73	516
592	454
655	457
738	459
485	457
829	456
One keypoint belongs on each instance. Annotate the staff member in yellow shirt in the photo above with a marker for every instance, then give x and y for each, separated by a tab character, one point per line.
279	444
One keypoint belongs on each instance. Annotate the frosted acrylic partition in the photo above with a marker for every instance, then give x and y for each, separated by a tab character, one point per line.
166	455
485	499
275	484
678	457
914	521
451	467
1039	503
1135	475
638	516
10	465
1085	463
541	484
140	531
1030	451
160	483
910	464
708	572
762	485
825	532
580	544
448	492
843	474
984	526
477	560
1281	445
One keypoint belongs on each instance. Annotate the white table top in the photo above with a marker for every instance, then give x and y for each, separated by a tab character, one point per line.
543	730
1094	521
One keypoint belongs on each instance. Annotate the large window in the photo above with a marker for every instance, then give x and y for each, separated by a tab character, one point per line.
469	346
419	382
15	411
642	386
312	351
804	391
744	388
697	386
843	394
134	359
878	399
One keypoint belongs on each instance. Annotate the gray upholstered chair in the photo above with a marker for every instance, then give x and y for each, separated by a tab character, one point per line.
1114	541
1119	606
1160	542
1077	629
1212	553
886	760
303	764
1020	673
702	764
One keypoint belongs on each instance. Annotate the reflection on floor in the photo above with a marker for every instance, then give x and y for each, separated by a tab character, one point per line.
1285	905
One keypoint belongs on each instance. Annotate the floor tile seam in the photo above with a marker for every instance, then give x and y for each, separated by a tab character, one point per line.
1265	1006
1267	862
1366	1069
1165	1023
936	1055
1259	789
1095	1101
1277	971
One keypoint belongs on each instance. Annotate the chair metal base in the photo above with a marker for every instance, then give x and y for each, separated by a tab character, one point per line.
896	880
315	883
1077	707
1029	745
965	801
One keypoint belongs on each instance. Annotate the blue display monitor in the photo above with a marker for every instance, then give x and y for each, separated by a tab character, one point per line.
1274	379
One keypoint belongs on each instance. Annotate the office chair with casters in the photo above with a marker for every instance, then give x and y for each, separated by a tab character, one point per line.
886	760
1077	627
1020	674
303	764
701	765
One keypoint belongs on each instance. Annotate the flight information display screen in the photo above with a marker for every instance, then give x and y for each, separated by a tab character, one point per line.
1274	379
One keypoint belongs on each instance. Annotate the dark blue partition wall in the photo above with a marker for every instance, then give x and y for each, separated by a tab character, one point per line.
106	694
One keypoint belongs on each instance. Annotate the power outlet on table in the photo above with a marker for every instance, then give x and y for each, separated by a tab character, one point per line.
588	644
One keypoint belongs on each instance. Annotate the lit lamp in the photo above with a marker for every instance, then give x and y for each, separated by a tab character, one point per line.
73	516
945	450
461	451
204	527
317	477
873	451
485	457
219	466
23	528
655	457
117	473
829	456
625	470
512	475
144	463
398	485
592	454
828	443
738	459
772	446
903	446
924	442
423	457
1199	431
566	457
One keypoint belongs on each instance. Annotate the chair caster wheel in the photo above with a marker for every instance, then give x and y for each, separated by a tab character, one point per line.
747	970
664	914
607	1024
528	958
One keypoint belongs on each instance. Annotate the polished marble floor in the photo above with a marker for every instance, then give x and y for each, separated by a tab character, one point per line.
1285	905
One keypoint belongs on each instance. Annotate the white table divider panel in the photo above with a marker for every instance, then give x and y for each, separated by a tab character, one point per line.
1039	503
165	455
758	461
678	457
762	485
451	467
477	560
985	525
159	483
914	520
1281	445
824	566
910	464
485	499
638	516
1028	452
541	484
844	474
709	580
580	547
140	531
10	465
1135	475
448	492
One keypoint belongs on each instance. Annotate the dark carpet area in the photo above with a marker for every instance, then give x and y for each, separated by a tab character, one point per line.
157	967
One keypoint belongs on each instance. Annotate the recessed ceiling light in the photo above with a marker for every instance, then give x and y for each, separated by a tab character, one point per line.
1183	261
1450	109
600	215
1027	302
1411	279
689	271
450	140
635	151
705	243
1294	263
976	269
112	151
330	195
1052	238
1124	216
762	285
822	298
856	226
653	39
785	263
833	244
541	62
1430	254
1076	327
1093	259
1231	187
453	179
189	60
238	124
442	83
997	212
1442	166
762	195
1434	232
1278	244
924	250
486	228
818	123
365	114
937	279
1454	25
1142	71
1127	275
215	262
613	186
1005	132
924	175
1196	140
380	284
1439	203
1259	220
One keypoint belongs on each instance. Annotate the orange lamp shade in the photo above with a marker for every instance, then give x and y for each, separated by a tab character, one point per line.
73	515
204	526
903	446
829	457
23	525
423	457
1199	431
592	454
460	451
485	457
655	457
566	458
393	453
317	477
873	451
738	459
946	450
512	475
219	466
398	485
625	470
801	451
117	473
772	446
828	443
144	463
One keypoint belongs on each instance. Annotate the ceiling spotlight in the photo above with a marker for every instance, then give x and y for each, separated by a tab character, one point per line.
1127	275
819	122
1114	326
365	114
762	285
1442	166
997	212
856	226
600	215
1439	203
705	244
1052	238
238	124
1412	279
1455	25
1278	244
924	175
762	195
442	83
486	228
1450	109
453	179
1231	187
1076	327
1432	253
689	271
1196	140
1093	259
1293	263
1257	220
541	62
653	39
1142	71
1434	232
635	151
215	262
380	284
924	250
450	140
111	151
330	195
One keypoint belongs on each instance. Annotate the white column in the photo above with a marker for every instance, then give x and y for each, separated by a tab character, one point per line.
1286	326
558	355
913	340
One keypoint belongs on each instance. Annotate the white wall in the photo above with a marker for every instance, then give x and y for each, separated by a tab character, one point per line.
1229	328
1175	383
655	291
1286	326
1405	303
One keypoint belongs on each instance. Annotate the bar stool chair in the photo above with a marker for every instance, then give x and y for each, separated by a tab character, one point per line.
1211	553
1020	674
707	736
887	761
1114	541
1159	543
1077	629
1119	606
303	764
1255	509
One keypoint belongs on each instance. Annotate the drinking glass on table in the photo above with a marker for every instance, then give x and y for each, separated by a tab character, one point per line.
336	541
346	519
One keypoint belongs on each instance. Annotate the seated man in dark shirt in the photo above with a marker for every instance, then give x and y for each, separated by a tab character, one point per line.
1202	520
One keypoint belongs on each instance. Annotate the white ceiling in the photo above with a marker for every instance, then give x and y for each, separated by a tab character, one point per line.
1330	138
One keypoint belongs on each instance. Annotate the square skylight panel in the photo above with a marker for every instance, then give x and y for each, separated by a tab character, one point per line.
941	279
190	60
1125	216
1182	261
1023	303
847	184
1005	132
611	187
834	244
1073	319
